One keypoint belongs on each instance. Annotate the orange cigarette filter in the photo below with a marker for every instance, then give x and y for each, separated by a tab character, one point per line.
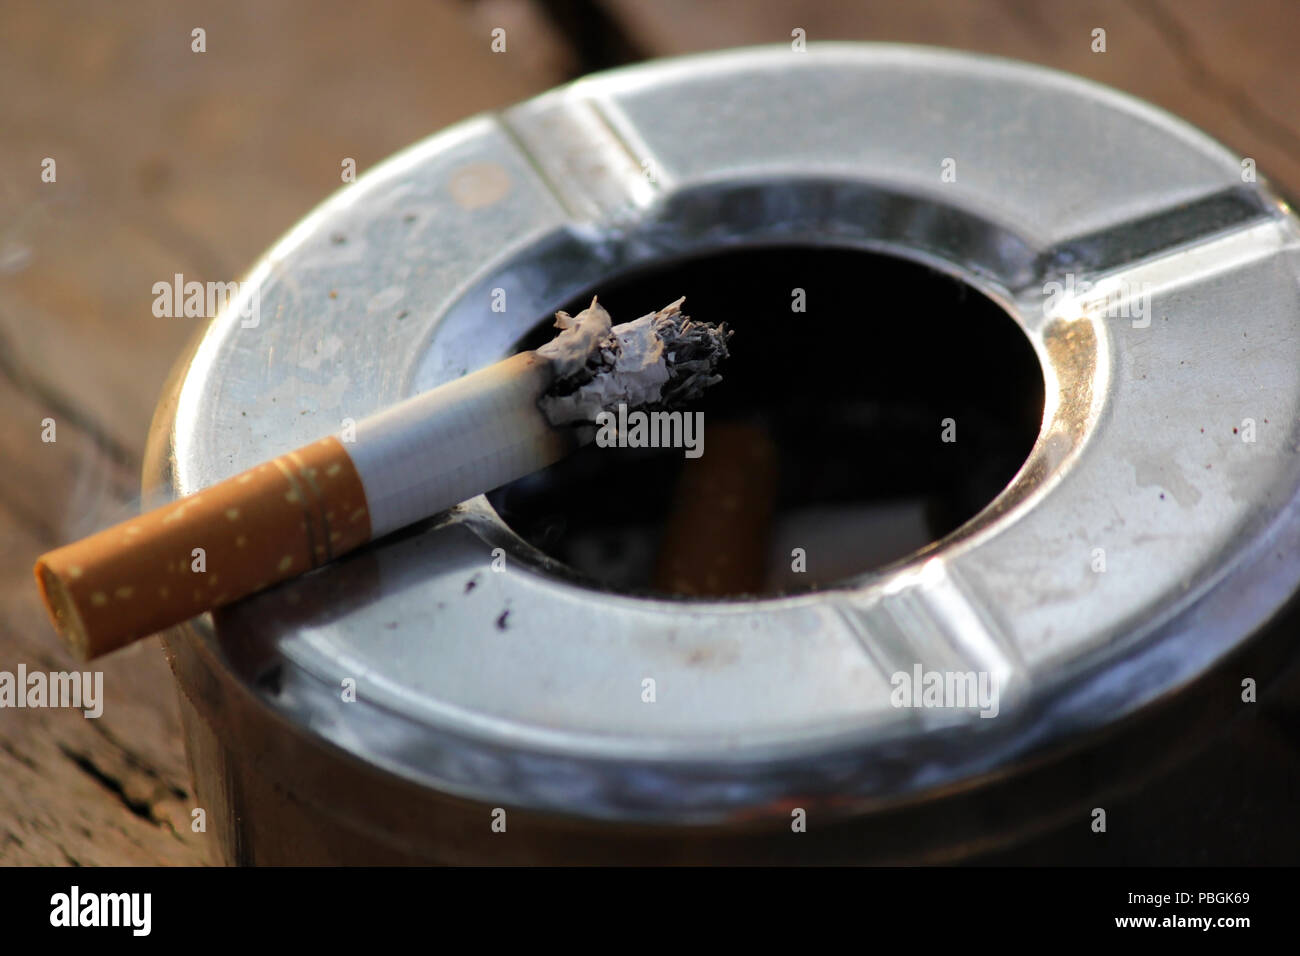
272	522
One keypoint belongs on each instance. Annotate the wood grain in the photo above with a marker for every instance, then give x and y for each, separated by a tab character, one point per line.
167	161
173	161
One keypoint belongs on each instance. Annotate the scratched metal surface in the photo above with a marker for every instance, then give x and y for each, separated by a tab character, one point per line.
384	291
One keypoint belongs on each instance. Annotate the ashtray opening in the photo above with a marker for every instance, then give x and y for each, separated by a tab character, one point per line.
871	405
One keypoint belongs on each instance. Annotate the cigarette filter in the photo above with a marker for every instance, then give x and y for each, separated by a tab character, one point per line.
303	509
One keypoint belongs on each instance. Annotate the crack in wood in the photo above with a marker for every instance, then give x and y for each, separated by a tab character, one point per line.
136	762
10	751
61	406
140	808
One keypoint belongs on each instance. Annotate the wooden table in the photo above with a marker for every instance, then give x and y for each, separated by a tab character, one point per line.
175	161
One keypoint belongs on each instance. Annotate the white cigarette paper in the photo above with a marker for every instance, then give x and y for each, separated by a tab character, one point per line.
493	426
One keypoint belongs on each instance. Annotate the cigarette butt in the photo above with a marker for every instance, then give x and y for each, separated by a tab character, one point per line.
414	459
275	521
715	538
287	516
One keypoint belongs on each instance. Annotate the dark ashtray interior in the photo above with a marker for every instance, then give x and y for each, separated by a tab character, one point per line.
824	451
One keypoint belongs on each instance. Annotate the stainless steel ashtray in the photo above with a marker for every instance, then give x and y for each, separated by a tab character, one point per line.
437	699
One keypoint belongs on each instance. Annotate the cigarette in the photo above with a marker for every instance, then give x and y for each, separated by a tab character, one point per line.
299	511
716	534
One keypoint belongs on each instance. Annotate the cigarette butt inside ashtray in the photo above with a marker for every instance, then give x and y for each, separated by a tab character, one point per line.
716	537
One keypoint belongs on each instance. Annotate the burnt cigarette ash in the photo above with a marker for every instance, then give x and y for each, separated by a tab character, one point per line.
663	360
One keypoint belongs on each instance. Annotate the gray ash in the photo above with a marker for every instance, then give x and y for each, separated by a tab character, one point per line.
627	359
